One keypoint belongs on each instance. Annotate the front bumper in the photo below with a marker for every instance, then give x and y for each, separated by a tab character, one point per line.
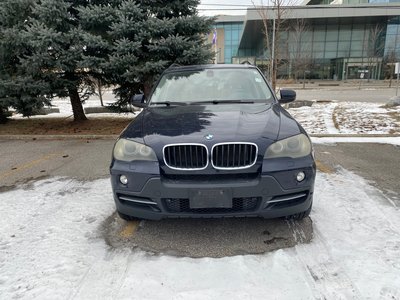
272	193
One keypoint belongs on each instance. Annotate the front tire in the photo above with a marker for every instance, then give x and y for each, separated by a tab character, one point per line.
301	215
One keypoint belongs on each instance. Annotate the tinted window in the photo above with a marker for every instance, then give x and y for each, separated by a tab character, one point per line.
212	84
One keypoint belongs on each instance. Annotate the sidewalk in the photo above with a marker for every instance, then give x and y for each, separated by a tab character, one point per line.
351	91
339	83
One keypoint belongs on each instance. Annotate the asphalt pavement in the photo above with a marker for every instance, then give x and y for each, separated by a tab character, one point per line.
378	163
23	162
349	92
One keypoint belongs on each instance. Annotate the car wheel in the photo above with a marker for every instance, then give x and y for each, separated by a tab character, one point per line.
301	215
126	217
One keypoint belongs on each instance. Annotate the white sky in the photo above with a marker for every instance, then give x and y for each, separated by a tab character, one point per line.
231	7
231	10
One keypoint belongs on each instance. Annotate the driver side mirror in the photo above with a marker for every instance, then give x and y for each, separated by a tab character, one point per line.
138	100
287	96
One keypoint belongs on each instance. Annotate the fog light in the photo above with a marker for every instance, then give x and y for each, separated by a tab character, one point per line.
300	176
123	179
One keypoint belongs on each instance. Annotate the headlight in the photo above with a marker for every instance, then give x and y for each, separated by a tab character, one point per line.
295	146
129	150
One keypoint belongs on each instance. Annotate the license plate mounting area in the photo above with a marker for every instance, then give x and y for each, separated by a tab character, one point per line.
211	198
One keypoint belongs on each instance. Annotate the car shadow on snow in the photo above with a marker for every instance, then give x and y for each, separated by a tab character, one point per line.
207	237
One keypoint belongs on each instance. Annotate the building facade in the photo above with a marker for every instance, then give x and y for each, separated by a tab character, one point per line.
334	41
228	31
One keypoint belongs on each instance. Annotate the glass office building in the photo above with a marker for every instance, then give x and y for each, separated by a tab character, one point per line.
335	42
392	41
228	30
231	34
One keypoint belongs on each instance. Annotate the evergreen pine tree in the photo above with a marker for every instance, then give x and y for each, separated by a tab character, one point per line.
62	45
17	90
148	36
59	53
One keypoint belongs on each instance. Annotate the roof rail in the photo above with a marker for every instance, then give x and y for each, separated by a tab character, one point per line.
174	65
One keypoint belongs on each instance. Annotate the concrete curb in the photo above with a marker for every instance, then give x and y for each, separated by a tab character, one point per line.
114	137
361	135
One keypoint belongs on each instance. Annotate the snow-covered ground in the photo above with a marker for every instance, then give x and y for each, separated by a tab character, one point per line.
64	105
52	247
348	118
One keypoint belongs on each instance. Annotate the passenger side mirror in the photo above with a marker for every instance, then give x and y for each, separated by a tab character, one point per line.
287	96
138	100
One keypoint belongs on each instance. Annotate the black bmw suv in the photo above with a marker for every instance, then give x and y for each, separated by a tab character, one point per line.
213	141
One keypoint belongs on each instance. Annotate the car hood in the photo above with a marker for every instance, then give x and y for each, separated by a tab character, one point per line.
225	122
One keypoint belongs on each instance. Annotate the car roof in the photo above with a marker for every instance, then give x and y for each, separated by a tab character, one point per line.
175	67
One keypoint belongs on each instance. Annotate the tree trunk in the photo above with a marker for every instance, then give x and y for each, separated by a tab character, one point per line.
77	109
273	79
147	85
100	92
3	117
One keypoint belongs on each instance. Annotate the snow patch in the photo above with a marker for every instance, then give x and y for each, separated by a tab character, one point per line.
348	118
51	247
65	107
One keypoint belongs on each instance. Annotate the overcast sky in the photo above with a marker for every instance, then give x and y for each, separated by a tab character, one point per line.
231	7
219	8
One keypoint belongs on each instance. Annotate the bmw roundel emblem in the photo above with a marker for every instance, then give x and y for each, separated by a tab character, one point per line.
208	137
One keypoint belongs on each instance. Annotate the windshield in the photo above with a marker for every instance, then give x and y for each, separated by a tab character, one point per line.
212	85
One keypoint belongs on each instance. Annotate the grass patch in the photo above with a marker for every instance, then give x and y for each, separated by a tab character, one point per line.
395	115
59	126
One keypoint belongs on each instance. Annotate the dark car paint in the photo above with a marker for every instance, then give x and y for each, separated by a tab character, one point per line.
221	113
262	124
230	121
275	178
158	126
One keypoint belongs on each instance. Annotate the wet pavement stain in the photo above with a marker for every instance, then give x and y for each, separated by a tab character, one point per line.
206	237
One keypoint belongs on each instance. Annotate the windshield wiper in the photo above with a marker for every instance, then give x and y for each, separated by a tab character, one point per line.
168	103
223	101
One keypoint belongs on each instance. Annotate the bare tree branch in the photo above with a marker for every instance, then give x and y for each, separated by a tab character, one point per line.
273	19
300	52
373	47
